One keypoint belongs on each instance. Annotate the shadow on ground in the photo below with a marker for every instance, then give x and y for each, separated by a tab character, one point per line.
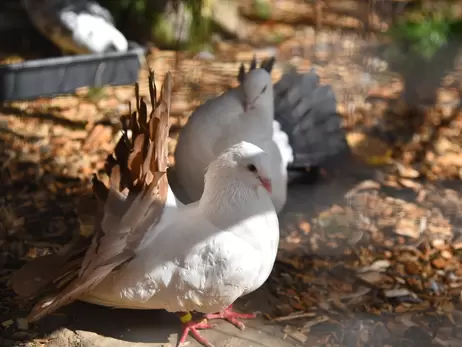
99	326
313	263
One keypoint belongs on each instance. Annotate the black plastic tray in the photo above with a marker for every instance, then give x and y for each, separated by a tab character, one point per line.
63	75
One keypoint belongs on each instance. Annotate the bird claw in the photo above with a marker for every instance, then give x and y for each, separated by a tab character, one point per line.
192	328
232	317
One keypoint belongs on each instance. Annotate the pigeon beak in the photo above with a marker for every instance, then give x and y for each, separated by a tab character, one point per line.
249	105
266	184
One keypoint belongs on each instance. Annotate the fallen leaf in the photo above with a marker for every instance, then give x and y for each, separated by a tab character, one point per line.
378	265
7	323
371	277
393	293
439	263
412	268
407	171
446	254
407	227
370	149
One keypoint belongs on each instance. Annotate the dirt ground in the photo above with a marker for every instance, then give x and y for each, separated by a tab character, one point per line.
96	326
369	254
335	319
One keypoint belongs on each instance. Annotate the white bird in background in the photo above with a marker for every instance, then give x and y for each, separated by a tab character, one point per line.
201	257
244	113
76	26
299	128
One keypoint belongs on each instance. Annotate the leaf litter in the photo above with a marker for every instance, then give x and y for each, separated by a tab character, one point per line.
381	267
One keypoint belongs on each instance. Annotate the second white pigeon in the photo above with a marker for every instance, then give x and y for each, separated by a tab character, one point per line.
244	113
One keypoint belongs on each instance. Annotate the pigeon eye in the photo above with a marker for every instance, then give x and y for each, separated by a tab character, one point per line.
264	89
251	168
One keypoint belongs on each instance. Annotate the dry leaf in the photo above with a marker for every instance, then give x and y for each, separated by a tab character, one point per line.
378	265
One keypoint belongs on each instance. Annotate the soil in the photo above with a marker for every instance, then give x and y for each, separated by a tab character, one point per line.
369	254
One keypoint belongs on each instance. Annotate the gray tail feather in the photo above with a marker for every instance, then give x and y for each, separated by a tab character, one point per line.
307	113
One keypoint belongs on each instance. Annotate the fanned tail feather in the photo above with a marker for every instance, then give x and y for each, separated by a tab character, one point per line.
125	210
307	112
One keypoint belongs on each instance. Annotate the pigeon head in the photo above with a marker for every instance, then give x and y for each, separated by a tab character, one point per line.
247	163
258	89
235	185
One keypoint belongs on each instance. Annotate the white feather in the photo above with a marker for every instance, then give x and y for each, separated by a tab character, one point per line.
94	33
211	252
281	139
78	26
221	123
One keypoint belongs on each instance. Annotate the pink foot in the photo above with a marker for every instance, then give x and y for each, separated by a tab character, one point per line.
232	317
191	327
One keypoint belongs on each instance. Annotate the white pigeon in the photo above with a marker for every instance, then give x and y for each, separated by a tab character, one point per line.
76	26
244	113
200	257
306	130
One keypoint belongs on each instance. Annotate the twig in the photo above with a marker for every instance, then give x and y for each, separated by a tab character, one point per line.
294	316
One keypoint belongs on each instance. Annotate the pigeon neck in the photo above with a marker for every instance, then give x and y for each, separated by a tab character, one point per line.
261	117
227	201
255	125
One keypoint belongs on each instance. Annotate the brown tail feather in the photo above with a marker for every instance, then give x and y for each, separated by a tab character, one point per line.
128	207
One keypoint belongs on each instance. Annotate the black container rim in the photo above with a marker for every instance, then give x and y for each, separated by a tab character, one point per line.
133	49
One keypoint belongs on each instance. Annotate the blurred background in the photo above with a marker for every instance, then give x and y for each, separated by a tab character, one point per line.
390	214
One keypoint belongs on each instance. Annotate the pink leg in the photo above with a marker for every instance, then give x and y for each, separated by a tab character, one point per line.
231	316
190	327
